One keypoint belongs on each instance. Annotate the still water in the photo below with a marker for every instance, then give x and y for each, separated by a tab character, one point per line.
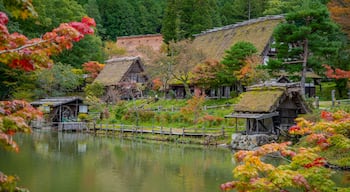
70	162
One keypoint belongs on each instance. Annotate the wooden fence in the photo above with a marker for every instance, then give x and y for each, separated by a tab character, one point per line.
174	109
121	128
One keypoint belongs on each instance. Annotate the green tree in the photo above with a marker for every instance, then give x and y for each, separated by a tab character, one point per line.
57	81
171	23
118	18
88	49
275	7
234	59
308	37
184	18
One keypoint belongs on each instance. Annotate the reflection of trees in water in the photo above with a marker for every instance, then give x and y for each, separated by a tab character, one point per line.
137	165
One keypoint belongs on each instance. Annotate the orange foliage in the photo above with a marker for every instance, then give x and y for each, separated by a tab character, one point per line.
93	68
340	13
304	168
157	84
337	73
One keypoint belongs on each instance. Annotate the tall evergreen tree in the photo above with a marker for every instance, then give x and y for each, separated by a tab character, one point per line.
184	18
171	26
308	38
118	18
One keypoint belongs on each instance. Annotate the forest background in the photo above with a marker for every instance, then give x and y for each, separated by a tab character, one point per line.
175	19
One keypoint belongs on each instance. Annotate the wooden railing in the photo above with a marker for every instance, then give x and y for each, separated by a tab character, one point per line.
121	128
174	109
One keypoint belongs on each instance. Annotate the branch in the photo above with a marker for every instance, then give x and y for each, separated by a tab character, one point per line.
23	47
293	62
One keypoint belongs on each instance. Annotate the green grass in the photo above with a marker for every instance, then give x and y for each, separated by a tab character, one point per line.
120	114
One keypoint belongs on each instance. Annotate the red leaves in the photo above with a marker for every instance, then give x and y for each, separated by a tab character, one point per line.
89	21
337	73
22	64
318	162
3	18
227	186
19	52
327	116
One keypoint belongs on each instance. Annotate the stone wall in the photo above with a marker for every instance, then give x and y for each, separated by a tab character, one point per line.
251	142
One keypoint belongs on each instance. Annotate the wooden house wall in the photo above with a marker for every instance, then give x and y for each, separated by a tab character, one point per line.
288	111
55	115
135	74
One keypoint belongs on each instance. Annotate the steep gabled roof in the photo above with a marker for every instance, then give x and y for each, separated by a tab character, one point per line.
266	98
259	101
258	31
115	69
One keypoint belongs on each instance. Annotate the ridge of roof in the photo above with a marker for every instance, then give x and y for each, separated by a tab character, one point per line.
119	59
239	24
145	35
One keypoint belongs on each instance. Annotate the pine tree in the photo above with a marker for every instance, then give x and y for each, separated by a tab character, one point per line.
308	38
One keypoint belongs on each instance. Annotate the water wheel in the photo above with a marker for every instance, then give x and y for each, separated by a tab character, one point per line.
66	113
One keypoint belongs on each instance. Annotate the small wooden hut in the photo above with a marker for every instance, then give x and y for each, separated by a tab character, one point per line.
270	108
61	109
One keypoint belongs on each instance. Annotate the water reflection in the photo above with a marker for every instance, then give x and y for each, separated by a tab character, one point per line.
51	161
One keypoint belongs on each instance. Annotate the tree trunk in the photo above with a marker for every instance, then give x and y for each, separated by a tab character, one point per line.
303	72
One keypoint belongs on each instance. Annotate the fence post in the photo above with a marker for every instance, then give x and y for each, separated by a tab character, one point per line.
333	97
205	107
203	133
172	108
223	131
183	135
317	102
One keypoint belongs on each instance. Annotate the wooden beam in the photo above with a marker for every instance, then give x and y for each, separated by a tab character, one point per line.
293	62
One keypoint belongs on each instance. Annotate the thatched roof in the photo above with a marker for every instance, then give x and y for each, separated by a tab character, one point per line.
131	43
265	98
258	31
115	69
259	101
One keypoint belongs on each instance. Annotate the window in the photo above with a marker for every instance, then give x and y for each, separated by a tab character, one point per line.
83	108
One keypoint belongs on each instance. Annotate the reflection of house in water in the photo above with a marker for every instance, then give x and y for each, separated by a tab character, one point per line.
61	109
58	145
269	108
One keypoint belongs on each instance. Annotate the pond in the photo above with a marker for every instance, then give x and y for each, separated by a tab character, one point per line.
76	162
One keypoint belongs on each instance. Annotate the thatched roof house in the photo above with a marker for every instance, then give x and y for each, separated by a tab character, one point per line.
258	31
215	42
126	69
268	107
121	76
